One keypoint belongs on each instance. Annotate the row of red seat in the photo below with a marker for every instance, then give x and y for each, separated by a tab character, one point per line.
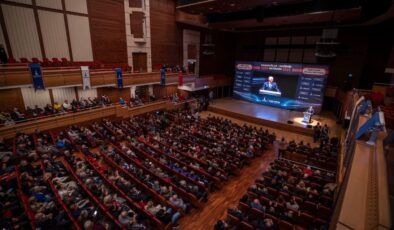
64	62
194	200
25	200
59	199
94	164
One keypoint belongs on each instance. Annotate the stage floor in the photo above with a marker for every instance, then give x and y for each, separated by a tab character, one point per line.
268	116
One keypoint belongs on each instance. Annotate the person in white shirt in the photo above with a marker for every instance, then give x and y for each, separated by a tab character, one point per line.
66	105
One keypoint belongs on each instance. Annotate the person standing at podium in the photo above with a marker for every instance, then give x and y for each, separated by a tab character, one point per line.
271	85
311	110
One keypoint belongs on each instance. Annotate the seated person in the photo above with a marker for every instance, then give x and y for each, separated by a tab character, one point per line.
48	109
16	115
57	107
122	101
38	111
67	106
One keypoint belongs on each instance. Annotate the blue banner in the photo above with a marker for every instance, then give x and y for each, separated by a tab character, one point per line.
163	76
35	70
119	78
368	125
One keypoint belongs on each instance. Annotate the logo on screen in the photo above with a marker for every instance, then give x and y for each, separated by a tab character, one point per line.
244	66
314	71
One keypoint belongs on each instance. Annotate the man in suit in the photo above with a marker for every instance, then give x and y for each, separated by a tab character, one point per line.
271	85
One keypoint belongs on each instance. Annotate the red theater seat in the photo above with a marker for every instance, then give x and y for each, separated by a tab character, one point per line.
324	212
304	220
245	226
46	62
56	62
65	61
273	218
284	225
11	60
24	60
35	60
309	207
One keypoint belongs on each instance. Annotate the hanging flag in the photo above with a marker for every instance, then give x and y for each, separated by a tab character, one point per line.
180	78
119	78
36	73
163	76
85	77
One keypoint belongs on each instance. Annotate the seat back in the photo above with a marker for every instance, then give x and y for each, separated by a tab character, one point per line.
304	220
35	60
24	60
245	226
309	207
324	213
284	225
232	220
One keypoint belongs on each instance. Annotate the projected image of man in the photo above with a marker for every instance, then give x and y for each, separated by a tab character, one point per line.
270	85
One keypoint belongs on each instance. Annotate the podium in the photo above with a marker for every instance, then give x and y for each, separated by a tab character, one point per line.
307	117
269	92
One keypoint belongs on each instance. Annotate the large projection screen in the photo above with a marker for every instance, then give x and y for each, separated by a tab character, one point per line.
282	85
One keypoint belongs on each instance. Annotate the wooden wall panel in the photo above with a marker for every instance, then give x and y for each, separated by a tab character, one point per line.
135	3
165	36
140	62
137	24
223	60
107	21
113	93
164	91
10	98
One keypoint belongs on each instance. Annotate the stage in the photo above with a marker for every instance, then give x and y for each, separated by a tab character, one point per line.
265	115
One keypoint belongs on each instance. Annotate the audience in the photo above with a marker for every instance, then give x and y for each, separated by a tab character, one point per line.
9	118
156	167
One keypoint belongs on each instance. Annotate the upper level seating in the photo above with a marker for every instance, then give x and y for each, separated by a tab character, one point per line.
16	116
